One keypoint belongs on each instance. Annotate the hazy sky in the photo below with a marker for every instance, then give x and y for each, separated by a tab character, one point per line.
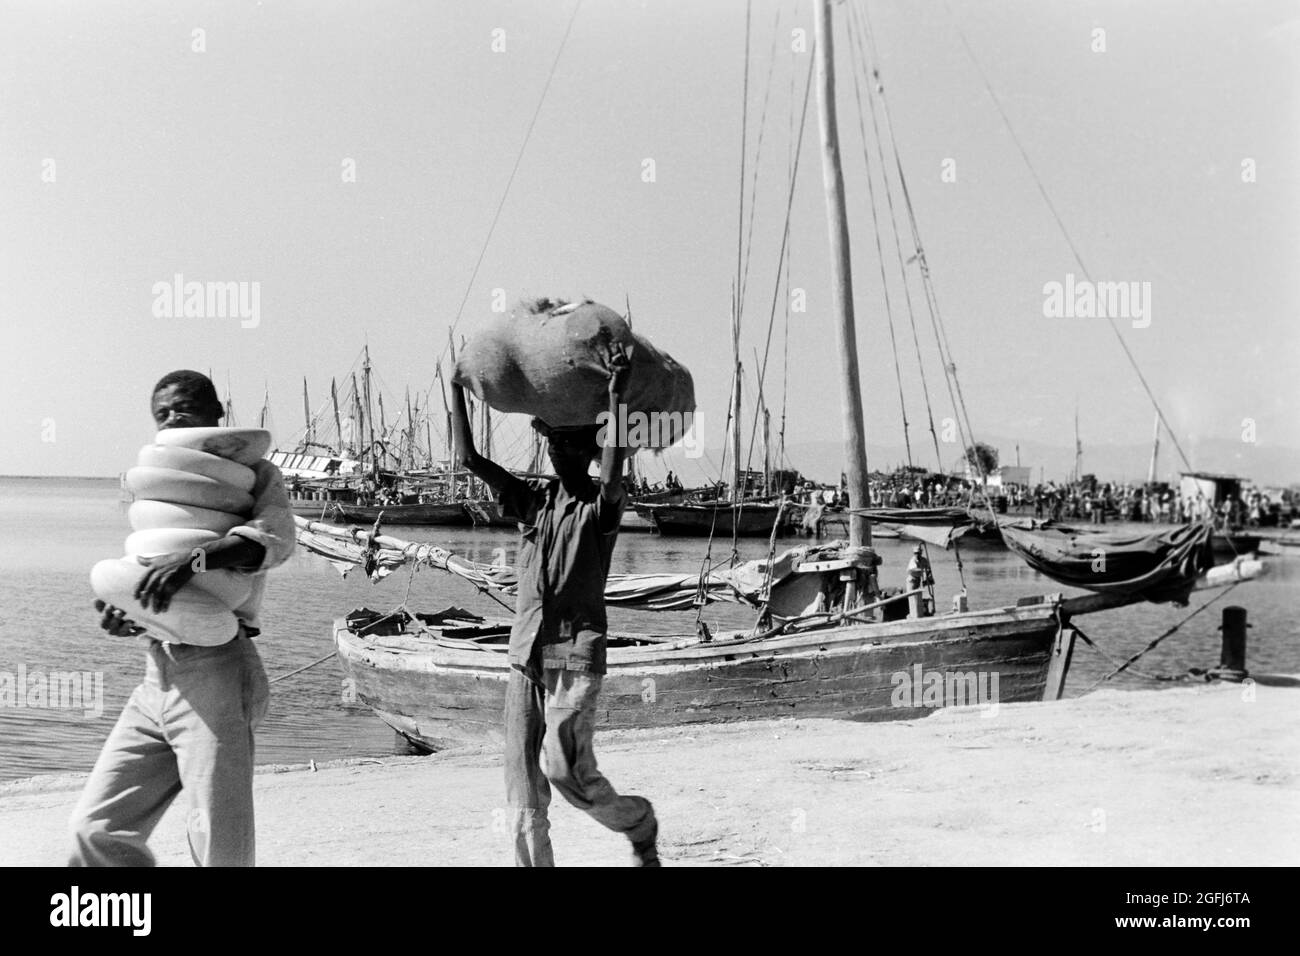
231	165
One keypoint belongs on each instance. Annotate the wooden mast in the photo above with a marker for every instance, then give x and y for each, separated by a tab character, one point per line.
408	456
306	410
338	423
855	451
737	477
359	420
451	468
1155	451
370	418
1078	447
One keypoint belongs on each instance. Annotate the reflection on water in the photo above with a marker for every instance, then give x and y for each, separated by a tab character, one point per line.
56	529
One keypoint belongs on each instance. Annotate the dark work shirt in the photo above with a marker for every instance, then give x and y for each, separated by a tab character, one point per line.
564	556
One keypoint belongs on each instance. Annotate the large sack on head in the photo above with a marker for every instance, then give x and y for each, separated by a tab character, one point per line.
552	361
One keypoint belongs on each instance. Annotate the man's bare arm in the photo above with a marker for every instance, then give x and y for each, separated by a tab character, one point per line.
169	573
612	453
466	455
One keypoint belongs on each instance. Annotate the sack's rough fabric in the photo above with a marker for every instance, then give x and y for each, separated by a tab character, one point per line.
551	361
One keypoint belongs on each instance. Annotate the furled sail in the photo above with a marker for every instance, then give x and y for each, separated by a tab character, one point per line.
750	583
1157	567
937	526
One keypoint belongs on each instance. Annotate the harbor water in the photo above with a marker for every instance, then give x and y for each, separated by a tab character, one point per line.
57	528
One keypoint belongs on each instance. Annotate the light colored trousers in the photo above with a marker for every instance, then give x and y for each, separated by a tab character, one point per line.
188	726
549	729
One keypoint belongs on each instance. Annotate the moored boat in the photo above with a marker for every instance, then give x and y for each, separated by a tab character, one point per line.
440	679
722	518
445	513
445	683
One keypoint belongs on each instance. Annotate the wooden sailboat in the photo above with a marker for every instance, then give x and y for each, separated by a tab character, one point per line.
830	642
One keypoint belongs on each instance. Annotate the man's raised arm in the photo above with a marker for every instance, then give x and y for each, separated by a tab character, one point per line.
612	453
466	455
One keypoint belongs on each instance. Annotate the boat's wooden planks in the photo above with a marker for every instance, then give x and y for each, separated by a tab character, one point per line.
436	702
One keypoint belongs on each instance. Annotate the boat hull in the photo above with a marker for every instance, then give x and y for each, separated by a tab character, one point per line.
345	512
437	695
755	521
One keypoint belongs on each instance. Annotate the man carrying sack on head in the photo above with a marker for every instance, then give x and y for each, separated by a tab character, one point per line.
557	644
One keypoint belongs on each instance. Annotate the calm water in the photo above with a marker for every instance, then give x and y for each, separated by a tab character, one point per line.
55	529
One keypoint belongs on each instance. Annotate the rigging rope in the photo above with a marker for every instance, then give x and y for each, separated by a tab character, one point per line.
785	242
320	660
958	399
1042	191
873	64
785	360
758	156
1151	646
744	129
880	250
469	286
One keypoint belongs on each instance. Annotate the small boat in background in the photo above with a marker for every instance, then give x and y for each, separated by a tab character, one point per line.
747	519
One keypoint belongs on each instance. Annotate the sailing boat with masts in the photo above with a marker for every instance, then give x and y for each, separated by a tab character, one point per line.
350	474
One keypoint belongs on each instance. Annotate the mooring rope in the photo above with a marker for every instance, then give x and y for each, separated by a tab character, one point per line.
321	660
1166	634
528	134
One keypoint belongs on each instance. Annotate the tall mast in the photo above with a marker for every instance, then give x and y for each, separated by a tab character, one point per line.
469	414
629	463
1078	447
451	465
736	289
370	422
1155	451
855	450
338	423
306	411
767	450
409	455
736	477
230	406
359	417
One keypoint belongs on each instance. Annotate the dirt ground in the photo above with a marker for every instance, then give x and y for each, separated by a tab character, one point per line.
1199	775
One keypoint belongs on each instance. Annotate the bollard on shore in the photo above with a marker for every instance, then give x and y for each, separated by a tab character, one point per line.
1232	658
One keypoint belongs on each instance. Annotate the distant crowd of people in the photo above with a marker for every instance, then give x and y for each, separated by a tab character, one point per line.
1079	501
889	492
1156	504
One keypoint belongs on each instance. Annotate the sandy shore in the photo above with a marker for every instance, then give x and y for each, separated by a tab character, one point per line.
1197	775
